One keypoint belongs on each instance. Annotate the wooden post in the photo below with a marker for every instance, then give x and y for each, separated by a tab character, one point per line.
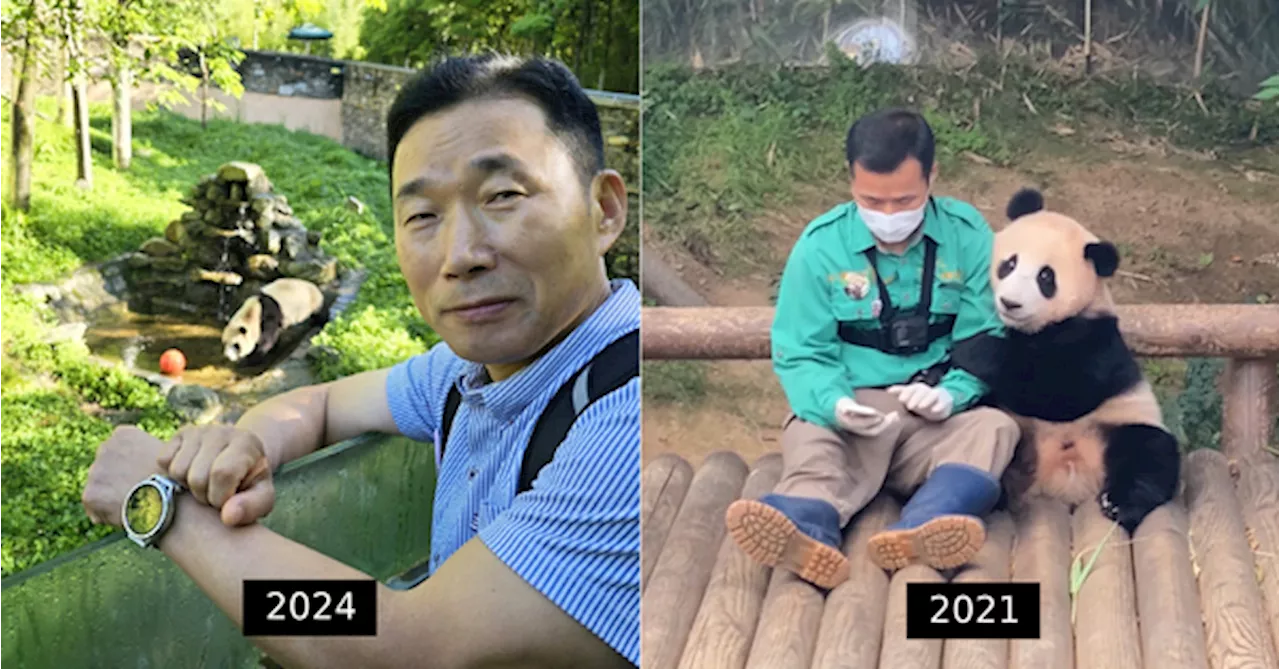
1248	400
661	283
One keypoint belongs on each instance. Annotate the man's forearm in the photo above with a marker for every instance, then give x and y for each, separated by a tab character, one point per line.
812	390
290	425
219	559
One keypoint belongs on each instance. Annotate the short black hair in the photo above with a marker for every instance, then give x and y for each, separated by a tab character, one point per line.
882	140
571	114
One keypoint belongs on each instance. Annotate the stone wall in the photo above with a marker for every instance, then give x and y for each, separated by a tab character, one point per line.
369	88
367	92
291	75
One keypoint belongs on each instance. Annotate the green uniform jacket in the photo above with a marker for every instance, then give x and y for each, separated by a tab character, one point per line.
828	279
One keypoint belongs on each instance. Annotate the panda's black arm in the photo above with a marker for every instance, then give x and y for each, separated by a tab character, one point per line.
981	355
1142	464
272	324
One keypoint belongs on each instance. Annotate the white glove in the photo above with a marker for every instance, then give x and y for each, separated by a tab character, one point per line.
928	402
862	420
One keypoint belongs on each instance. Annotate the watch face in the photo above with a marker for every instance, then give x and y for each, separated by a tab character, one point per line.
144	510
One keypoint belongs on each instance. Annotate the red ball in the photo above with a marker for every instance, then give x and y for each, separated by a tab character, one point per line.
172	362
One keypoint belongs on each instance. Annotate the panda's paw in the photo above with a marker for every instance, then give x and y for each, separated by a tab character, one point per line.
1111	511
1125	509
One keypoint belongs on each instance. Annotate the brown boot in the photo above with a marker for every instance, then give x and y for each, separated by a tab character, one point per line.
941	525
779	531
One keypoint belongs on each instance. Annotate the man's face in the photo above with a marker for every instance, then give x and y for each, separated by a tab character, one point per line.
903	189
498	237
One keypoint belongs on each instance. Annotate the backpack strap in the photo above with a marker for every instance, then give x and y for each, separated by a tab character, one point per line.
610	369
451	404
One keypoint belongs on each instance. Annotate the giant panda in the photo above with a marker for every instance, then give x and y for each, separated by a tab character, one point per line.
1091	426
256	326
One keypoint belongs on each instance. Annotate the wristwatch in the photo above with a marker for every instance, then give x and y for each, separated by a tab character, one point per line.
148	509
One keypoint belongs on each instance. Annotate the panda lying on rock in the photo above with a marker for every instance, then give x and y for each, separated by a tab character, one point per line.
257	325
1091	425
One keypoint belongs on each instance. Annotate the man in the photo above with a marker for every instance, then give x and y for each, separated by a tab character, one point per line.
503	212
875	295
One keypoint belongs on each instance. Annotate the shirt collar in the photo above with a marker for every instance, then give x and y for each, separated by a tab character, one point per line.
860	238
506	399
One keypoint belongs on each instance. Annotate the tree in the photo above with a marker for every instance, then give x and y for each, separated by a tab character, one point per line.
71	22
27	27
145	37
120	23
597	39
265	24
197	56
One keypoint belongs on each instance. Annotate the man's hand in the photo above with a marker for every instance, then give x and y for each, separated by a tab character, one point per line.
224	467
862	420
928	402
127	457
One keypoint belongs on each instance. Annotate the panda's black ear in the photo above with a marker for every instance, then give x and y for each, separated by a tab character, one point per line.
1025	201
1104	256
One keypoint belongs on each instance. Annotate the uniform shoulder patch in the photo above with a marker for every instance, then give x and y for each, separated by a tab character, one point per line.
963	211
825	219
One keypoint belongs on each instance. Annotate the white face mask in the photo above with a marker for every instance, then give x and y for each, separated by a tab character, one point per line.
895	227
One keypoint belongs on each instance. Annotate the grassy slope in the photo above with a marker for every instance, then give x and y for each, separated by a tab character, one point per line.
723	147
46	436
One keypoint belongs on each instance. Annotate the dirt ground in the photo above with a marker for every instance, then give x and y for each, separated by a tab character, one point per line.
1189	230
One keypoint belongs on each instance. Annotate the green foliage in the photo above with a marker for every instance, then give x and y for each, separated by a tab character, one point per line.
47	438
269	21
674	382
382	326
1200	404
370	339
1080	569
110	388
597	39
721	146
169	26
1269	89
46	447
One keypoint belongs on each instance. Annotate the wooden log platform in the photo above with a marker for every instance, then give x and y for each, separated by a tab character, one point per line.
1192	589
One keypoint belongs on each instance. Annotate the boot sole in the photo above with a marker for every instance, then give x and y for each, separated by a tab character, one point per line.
768	537
942	543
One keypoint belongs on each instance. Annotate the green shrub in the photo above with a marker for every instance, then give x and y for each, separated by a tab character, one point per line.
674	382
46	445
722	146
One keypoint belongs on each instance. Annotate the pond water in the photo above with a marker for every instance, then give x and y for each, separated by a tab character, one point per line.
116	335
137	340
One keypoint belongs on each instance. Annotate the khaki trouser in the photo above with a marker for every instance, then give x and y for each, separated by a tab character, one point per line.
849	470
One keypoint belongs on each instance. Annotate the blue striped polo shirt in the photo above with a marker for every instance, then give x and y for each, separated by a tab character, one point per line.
575	537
